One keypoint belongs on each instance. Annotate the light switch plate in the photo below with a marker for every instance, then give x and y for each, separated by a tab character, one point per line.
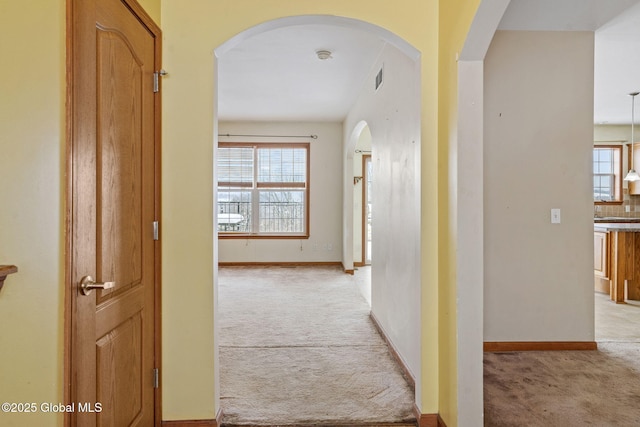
555	216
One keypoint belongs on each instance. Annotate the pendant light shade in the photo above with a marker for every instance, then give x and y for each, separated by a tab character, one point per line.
632	175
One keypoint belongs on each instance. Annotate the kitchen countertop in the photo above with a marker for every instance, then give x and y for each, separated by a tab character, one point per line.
616	223
617	226
614	219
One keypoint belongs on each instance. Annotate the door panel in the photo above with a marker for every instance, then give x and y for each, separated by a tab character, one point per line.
113	194
119	163
120	373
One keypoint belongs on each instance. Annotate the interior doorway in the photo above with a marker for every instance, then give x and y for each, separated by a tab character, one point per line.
362	195
367	177
400	241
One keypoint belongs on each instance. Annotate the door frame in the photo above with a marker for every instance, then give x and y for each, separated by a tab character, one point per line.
71	118
365	209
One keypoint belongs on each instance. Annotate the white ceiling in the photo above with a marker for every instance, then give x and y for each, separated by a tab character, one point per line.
276	75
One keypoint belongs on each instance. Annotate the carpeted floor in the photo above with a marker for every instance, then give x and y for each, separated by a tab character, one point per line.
297	347
571	388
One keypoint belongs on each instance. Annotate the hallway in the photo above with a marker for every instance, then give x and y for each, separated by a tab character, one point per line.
297	347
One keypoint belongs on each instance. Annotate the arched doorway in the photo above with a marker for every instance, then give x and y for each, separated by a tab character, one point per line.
393	112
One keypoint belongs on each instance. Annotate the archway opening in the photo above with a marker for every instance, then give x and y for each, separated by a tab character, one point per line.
386	96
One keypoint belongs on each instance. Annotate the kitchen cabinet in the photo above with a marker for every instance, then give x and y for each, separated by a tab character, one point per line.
634	150
616	259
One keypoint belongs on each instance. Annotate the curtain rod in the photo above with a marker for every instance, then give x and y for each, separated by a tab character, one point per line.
362	151
271	136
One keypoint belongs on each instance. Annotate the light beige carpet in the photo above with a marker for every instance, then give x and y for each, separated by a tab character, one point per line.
571	388
297	347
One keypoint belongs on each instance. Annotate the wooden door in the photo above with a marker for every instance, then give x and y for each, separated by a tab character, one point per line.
112	210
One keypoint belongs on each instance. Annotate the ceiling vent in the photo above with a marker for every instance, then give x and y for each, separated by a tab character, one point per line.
379	79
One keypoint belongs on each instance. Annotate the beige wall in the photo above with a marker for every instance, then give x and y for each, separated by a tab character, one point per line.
32	141
538	156
152	7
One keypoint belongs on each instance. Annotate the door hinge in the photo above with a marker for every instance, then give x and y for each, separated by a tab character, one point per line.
156	378
156	231
156	79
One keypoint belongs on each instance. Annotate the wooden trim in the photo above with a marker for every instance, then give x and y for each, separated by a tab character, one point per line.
157	34
493	347
405	370
190	423
618	176
195	423
235	184
359	264
428	420
350	271
281	264
620	202
70	55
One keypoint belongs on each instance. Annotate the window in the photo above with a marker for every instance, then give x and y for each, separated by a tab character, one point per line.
607	174
263	190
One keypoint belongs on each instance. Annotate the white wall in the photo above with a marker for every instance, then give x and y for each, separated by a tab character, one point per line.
393	116
324	243
538	128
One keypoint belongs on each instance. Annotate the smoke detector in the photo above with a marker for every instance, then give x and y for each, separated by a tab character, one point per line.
323	55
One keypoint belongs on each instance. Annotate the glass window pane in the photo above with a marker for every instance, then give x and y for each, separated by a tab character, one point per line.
234	210
606	161
603	187
605	167
282	164
282	211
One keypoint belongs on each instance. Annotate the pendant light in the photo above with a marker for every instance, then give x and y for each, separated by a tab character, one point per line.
632	175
